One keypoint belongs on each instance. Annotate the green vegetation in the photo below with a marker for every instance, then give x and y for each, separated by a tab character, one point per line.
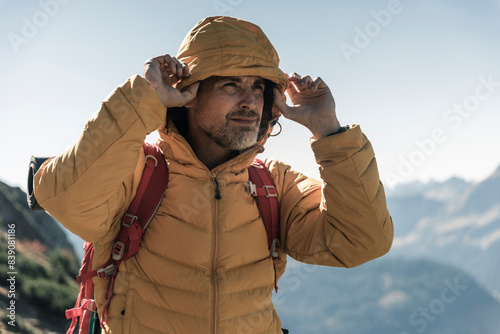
50	287
44	263
53	296
64	263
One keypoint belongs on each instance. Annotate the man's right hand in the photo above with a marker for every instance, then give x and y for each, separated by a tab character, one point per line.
163	72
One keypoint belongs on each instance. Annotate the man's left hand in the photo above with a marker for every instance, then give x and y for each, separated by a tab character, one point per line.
313	105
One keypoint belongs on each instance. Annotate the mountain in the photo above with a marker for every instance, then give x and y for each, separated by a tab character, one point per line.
34	225
388	295
439	191
39	265
453	222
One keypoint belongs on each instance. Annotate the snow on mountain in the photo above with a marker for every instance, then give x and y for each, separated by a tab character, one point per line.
453	222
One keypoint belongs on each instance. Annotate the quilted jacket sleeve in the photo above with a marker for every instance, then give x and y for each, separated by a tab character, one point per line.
90	183
342	221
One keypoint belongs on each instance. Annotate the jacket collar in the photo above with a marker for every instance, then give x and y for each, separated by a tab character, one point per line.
176	148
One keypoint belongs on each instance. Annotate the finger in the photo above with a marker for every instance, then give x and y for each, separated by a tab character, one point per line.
290	112
159	59
292	89
316	82
174	78
305	82
172	66
294	77
279	102
293	84
152	62
167	63
152	72
288	81
190	92
163	60
185	70
178	67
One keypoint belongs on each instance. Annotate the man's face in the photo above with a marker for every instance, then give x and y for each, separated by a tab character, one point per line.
228	110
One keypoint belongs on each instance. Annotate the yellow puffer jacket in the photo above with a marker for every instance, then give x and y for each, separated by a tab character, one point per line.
203	265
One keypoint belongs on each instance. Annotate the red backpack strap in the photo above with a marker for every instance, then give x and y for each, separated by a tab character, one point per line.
261	186
141	211
134	222
144	205
84	305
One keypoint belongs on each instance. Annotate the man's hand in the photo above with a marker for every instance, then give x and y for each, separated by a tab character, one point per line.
313	105
163	72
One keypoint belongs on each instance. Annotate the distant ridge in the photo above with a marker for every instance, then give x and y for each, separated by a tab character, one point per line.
454	222
385	296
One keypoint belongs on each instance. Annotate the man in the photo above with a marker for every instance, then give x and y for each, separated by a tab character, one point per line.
203	265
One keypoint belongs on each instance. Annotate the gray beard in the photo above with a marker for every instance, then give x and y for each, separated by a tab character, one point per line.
235	139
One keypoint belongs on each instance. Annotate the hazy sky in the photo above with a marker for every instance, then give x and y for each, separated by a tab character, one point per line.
421	77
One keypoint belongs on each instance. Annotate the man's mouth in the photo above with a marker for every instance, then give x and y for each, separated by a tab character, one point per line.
248	121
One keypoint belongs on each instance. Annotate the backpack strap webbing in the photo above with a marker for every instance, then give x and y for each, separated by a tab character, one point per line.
261	187
141	211
84	304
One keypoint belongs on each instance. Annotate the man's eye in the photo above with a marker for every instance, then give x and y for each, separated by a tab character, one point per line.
230	84
259	87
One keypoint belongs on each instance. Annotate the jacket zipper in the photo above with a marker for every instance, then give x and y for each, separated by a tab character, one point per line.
217	192
213	273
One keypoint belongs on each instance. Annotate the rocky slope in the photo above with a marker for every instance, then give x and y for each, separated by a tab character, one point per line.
38	267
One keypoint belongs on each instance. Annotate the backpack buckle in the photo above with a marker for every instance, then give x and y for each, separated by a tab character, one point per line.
128	219
274	193
118	250
275	246
105	271
152	157
90	305
251	189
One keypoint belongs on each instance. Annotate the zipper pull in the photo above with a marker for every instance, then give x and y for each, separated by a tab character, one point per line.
217	192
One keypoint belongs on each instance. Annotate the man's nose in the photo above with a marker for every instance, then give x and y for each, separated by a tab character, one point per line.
248	100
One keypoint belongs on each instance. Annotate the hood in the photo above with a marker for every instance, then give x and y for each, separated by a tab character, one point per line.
227	46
